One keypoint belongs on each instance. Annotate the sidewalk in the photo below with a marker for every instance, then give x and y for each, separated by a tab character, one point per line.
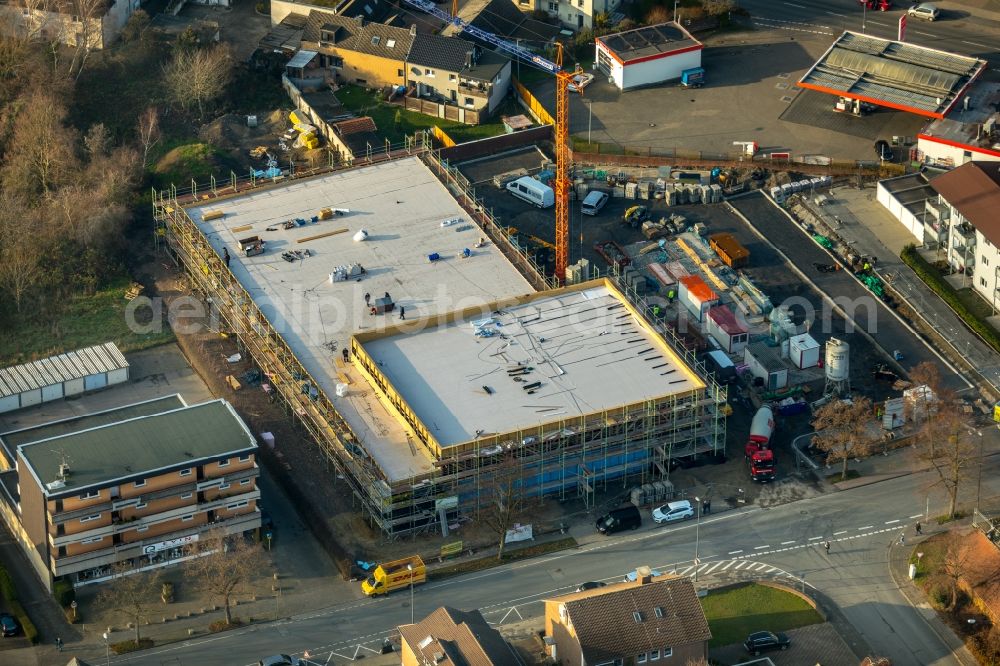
899	560
881	236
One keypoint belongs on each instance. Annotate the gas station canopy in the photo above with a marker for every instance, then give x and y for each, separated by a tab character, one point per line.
894	74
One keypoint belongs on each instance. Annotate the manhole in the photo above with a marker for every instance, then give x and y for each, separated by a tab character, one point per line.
786	99
781	86
783	75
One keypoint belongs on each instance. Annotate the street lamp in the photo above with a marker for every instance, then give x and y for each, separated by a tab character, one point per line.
979	475
590	118
107	648
697	535
409	567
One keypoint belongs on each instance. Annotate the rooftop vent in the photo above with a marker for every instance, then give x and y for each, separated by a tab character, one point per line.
637	616
658	611
424	643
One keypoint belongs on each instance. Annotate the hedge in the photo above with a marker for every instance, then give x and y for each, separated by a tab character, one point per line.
63	592
30	632
933	279
7	589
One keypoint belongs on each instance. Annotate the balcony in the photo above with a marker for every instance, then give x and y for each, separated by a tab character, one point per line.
474	90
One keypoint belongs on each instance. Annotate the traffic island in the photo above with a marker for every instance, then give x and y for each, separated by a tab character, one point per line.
481	563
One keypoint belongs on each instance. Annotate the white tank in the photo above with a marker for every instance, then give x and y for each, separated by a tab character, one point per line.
838	367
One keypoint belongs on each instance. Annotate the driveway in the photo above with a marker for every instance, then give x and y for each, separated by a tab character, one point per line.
815	644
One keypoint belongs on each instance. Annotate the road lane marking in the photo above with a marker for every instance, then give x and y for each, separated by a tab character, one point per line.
815	538
770	569
683	572
840	532
925	34
785	543
836	14
792	4
890	522
713	568
867	527
919	515
878	24
741	565
982	46
731	563
762	547
734	552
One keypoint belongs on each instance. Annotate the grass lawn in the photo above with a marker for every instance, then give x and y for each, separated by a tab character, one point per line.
975	303
360	101
933	551
734	614
84	321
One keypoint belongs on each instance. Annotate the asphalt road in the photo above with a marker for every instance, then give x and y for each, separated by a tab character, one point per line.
958	29
783	542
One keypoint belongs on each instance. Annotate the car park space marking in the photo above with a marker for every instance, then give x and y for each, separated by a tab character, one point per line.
785	543
734	552
684	571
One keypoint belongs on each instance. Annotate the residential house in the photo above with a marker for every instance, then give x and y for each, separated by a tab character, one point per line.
502	18
450	637
94	24
378	11
971	195
354	50
138	484
469	82
575	14
652	620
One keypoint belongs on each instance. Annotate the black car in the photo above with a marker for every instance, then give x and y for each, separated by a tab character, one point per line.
8	625
883	150
763	641
590	585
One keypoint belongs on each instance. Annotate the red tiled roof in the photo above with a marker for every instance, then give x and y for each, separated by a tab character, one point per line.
974	190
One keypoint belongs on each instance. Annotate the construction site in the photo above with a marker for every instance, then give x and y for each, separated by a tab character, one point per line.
427	355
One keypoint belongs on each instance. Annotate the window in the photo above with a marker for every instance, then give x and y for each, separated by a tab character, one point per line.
93	540
428	72
87	519
986	262
982	282
375	40
140	505
26	12
185	472
668	652
139	484
224	463
390	43
361	82
187	518
469	101
142	529
90	494
579	3
641	659
654	655
186	496
244	482
553	7
223	486
399	72
237	505
452	77
245	458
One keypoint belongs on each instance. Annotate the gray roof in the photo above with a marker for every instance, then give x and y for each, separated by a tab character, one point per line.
15	438
64	367
139	446
463	638
895	74
502	18
650	40
355	34
450	54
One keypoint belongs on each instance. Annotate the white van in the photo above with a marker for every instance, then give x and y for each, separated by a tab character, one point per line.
594	202
532	191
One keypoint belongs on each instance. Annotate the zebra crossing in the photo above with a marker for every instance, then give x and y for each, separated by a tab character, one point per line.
733	567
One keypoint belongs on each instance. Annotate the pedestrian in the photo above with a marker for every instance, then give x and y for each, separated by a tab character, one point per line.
225	256
902	539
368	298
706	507
59	644
826	545
387	297
402	312
345	352
919	529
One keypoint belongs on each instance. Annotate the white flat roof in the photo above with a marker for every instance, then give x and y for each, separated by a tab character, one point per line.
401	204
586	349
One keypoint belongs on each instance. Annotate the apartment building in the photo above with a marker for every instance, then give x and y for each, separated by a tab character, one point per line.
354	50
457	73
575	14
970	197
69	22
138	484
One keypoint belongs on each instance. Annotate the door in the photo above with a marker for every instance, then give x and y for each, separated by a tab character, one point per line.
579	20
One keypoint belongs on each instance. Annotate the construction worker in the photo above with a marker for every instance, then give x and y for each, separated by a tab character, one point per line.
368	298
225	256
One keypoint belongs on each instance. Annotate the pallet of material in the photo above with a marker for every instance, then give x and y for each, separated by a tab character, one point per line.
660	274
210	215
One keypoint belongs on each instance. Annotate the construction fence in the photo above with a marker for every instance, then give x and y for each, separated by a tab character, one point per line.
442	137
531	103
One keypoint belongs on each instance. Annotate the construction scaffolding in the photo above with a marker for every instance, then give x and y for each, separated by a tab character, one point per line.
580	456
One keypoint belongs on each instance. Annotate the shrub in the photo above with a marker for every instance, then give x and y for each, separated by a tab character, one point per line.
220	625
947	293
940	595
64	593
131	645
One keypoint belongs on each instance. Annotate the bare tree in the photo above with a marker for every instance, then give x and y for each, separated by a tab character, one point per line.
949	443
226	566
97	140
504	502
658	14
196	77
41	153
148	130
844	431
130	595
957	561
84	33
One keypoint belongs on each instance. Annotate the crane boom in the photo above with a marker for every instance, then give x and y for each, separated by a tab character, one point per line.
561	129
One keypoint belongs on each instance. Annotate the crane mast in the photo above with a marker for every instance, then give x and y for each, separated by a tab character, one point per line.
561	129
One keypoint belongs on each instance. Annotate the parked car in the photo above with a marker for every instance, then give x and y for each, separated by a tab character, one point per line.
279	660
764	641
9	625
632	576
617	520
580	81
924	10
883	150
671	511
590	585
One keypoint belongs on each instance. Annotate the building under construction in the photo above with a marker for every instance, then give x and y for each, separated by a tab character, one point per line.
565	392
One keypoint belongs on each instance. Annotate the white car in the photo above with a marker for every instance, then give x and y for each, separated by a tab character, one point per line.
672	511
580	81
924	10
631	576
